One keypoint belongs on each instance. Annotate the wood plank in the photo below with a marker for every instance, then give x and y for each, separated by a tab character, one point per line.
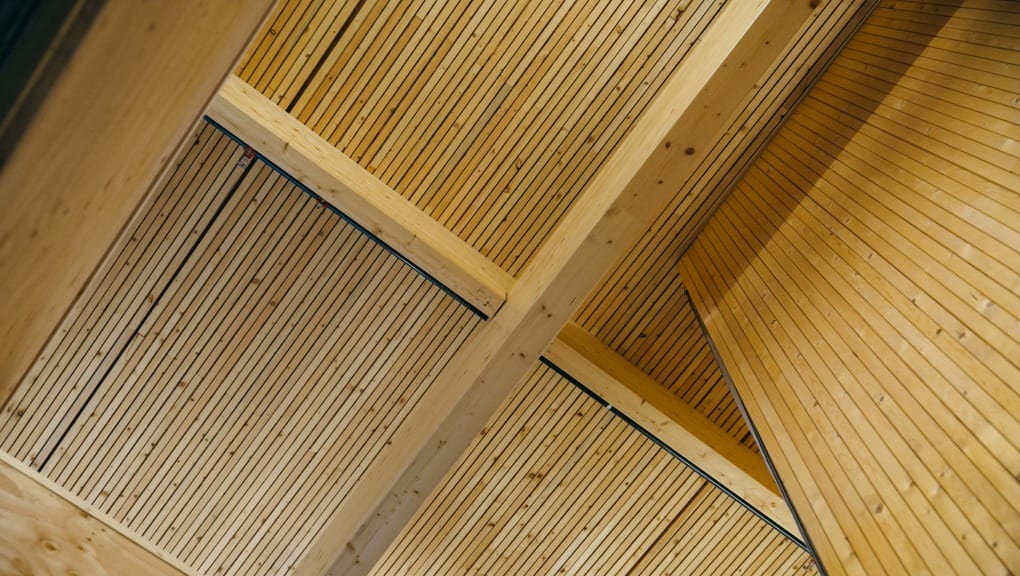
669	419
45	530
667	142
367	200
96	146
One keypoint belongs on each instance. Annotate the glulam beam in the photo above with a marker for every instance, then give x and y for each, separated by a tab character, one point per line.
339	180
131	91
657	156
674	422
45	530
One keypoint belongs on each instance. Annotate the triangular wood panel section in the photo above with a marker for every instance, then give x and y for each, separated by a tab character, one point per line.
861	284
558	484
667	418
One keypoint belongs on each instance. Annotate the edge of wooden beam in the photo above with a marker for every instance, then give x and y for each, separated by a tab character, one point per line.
47	530
685	430
96	146
358	194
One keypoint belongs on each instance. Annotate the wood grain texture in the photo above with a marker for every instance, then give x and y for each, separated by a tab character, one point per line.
556	484
863	287
132	91
304	155
492	117
651	406
233	369
640	309
685	120
44	531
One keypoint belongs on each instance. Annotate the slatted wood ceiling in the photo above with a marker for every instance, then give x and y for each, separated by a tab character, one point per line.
863	286
421	98
490	116
204	360
557	484
233	367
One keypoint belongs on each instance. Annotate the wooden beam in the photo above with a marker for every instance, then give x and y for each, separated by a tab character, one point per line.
134	87
316	163
664	147
45	530
671	420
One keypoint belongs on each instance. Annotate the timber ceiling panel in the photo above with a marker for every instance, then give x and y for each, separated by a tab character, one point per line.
490	116
233	368
556	484
641	308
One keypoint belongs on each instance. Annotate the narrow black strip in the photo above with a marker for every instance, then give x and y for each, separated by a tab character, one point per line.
359	227
155	304
329	49
711	480
807	544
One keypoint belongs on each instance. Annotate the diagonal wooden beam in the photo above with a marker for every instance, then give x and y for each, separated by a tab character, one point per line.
130	92
316	163
652	162
651	406
45	530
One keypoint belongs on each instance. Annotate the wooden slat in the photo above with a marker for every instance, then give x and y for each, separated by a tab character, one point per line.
669	419
96	329
361	196
658	155
44	530
96	146
715	535
861	285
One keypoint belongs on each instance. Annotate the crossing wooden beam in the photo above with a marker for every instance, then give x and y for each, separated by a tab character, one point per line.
674	422
657	156
317	164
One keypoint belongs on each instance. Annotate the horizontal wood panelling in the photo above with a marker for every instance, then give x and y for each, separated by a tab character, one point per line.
863	287
491	116
557	484
640	309
240	362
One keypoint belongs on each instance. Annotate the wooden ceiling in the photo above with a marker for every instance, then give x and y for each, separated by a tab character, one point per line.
244	370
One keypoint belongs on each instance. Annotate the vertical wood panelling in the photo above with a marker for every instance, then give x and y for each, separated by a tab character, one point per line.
234	369
490	116
96	329
556	484
862	287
